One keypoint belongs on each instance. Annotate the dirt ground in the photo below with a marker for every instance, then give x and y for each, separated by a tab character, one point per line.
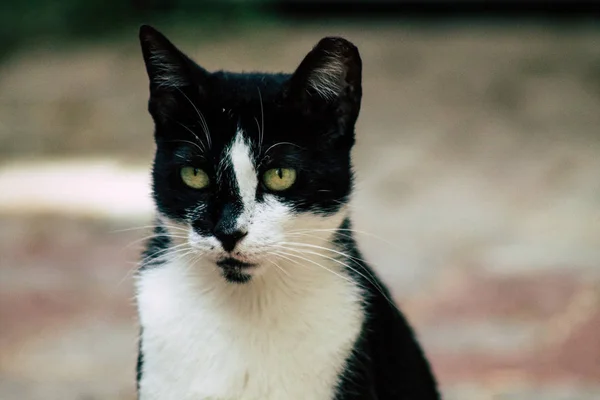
478	157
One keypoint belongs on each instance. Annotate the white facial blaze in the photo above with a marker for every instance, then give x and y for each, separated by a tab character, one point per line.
245	176
271	225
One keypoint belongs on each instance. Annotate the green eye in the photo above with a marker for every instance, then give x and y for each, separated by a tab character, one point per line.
194	177
278	179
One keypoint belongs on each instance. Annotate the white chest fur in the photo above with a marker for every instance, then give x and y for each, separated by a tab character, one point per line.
277	337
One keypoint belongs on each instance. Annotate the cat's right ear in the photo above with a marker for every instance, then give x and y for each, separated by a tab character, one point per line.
328	82
171	72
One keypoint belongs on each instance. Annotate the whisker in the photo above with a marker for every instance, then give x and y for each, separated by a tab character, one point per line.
346	230
159	255
192	132
170	235
187	141
202	119
314	246
286	255
147	227
131	271
275	145
372	279
261	131
282	143
193	261
358	261
182	254
279	267
157	252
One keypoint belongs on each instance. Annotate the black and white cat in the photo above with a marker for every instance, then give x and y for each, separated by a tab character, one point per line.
252	287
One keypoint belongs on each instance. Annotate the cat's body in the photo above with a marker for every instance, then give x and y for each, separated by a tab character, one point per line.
253	287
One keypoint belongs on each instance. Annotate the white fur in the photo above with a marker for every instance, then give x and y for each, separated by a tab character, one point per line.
277	337
328	79
285	335
245	175
169	72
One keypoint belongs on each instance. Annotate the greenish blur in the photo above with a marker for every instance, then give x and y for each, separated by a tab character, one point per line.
29	22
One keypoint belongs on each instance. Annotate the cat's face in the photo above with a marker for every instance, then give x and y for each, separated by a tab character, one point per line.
249	167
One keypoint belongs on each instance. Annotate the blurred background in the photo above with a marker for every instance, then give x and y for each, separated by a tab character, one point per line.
478	157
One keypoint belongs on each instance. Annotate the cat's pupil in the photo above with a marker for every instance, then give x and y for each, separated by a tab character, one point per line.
279	172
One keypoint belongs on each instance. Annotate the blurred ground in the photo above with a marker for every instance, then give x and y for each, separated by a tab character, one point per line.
478	157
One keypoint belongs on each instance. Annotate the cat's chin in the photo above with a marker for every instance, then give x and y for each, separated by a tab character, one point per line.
236	277
235	270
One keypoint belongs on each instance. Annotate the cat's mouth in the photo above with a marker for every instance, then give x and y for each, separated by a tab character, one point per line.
230	262
236	271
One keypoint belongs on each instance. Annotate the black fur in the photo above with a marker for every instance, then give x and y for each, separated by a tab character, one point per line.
291	123
387	362
156	247
317	134
140	361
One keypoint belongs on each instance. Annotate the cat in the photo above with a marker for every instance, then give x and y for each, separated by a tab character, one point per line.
252	286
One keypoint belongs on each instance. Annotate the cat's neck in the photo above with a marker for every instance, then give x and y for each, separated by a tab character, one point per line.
278	326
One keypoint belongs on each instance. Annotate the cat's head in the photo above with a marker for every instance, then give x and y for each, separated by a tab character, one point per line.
249	163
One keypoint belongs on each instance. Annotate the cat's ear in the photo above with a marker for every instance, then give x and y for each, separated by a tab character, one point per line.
167	67
330	74
170	71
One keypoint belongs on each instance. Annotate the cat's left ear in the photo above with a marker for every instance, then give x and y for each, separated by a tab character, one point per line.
330	77
170	71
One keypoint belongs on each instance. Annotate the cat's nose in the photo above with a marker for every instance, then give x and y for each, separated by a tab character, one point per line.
229	238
